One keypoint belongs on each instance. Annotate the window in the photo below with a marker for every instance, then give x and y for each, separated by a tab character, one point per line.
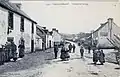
103	33
22	25
10	22
32	27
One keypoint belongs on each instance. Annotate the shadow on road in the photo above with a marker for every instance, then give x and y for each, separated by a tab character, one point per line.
33	60
93	64
118	68
94	73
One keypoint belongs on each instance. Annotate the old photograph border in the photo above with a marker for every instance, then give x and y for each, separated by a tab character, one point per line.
72	0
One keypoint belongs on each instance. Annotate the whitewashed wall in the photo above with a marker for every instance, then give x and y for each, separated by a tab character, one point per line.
27	35
103	34
115	29
3	25
16	32
38	43
52	41
16	29
47	41
34	36
56	37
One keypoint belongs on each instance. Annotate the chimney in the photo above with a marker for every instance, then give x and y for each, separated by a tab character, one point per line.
44	27
56	30
53	29
18	5
110	20
51	33
102	24
46	30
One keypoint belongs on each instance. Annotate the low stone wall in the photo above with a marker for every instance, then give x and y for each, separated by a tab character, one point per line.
111	57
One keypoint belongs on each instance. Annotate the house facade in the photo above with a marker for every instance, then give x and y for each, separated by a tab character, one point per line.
49	39
40	38
14	23
104	32
56	37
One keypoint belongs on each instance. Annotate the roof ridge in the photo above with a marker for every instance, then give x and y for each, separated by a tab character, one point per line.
12	7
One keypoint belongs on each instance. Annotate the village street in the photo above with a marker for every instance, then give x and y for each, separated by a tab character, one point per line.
28	38
75	67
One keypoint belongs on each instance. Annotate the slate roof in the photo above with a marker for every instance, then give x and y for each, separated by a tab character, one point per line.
46	31
12	7
102	25
40	28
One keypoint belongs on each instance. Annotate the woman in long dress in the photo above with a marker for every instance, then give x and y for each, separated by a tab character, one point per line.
64	53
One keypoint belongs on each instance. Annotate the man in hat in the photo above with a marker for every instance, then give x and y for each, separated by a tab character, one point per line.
81	51
55	51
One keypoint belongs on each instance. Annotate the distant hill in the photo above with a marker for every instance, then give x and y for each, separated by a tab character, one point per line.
75	36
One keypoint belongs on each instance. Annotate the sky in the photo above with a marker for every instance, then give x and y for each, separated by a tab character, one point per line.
72	16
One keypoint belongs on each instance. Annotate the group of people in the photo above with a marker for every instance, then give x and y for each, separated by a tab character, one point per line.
64	51
98	55
71	47
10	49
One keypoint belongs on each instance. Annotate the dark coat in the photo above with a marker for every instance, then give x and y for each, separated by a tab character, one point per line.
55	49
21	46
64	53
102	57
70	46
95	56
13	49
81	50
74	47
89	48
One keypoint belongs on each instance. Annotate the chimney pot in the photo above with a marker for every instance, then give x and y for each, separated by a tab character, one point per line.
110	19
54	29
102	24
44	27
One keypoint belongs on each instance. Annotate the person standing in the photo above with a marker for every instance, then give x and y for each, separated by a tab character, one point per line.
55	51
64	53
89	48
21	48
95	58
70	47
81	51
62	56
102	57
74	48
8	51
13	49
118	57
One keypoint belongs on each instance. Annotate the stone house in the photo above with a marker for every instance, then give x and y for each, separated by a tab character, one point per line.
49	41
56	36
16	24
106	31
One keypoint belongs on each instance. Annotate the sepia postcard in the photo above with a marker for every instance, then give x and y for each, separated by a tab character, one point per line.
59	38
